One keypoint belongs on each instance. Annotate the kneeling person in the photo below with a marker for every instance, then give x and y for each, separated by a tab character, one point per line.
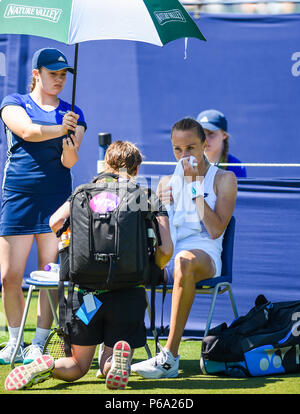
119	322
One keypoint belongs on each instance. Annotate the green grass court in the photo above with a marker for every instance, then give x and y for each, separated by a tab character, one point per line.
189	381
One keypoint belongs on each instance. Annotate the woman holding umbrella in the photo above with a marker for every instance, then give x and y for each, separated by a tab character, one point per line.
37	179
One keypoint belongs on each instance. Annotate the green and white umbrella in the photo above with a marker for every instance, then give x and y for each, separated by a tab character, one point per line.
74	21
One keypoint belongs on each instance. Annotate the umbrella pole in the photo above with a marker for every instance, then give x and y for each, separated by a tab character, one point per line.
74	85
74	76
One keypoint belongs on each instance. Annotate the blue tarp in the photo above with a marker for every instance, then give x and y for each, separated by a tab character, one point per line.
249	69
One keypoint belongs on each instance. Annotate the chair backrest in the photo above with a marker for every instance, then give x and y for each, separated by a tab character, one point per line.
227	253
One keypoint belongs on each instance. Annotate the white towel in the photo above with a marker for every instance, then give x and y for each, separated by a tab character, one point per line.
45	276
183	215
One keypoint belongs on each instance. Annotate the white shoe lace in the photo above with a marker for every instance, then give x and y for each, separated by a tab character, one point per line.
161	358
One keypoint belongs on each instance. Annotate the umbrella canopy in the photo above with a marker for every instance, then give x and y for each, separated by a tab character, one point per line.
74	21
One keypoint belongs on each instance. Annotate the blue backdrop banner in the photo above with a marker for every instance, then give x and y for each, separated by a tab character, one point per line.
249	69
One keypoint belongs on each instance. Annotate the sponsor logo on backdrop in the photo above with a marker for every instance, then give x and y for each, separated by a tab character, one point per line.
168	16
44	13
296	66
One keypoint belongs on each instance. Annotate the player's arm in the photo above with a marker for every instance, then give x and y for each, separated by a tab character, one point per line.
164	191
59	216
216	221
164	252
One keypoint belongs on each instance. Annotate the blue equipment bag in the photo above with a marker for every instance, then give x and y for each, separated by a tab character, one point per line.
265	341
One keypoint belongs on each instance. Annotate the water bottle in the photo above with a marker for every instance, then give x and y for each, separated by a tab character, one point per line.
52	267
65	240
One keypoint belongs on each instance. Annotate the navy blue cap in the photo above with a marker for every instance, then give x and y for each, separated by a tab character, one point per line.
212	120
50	58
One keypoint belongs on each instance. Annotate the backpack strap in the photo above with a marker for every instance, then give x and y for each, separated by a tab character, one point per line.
65	313
69	313
64	227
112	269
157	232
163	329
157	273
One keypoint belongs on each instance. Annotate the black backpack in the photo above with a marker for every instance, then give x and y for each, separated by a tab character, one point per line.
114	249
111	249
264	341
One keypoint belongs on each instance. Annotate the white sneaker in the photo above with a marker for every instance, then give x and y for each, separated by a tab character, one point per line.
117	377
25	376
32	352
7	352
163	365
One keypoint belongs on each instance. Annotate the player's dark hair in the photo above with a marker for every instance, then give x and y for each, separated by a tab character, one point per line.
187	124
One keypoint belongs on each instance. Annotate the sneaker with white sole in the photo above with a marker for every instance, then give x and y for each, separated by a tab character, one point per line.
7	352
117	377
163	365
31	352
25	376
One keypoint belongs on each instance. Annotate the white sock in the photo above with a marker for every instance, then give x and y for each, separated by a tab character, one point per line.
13	334
169	352
40	336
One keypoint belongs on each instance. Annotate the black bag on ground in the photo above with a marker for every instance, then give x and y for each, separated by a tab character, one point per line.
265	341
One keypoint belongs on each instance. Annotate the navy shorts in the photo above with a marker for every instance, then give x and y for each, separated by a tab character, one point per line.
25	213
120	317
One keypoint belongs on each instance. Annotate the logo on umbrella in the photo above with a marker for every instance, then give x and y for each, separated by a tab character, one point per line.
44	13
168	16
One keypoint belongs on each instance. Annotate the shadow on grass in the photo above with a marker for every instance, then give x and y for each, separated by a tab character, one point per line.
63	386
189	379
201	383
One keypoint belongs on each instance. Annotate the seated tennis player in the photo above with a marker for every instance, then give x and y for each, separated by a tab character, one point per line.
200	200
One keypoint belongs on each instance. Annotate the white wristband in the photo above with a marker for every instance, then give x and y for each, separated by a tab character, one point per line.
196	189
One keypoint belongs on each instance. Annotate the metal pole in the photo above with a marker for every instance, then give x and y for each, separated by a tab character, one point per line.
74	85
74	76
104	140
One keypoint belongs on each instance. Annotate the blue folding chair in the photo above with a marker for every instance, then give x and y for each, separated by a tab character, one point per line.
34	284
222	283
217	285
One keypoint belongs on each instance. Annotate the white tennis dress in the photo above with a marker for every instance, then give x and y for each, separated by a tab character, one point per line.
199	239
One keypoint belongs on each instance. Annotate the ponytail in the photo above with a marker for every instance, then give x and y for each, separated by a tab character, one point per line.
33	81
224	155
32	85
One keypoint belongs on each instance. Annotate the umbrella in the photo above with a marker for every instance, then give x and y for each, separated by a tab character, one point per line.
74	21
